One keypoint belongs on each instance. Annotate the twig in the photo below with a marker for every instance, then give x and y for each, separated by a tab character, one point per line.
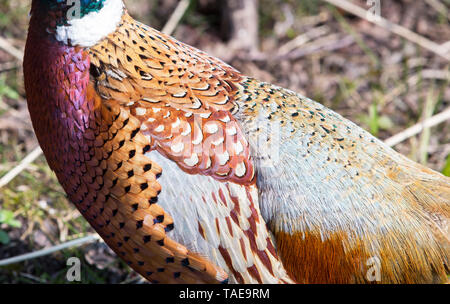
413	80
393	28
6	66
446	46
436	74
177	14
136	279
47	251
327	43
19	168
12	50
282	27
302	39
417	128
33	278
424	142
439	7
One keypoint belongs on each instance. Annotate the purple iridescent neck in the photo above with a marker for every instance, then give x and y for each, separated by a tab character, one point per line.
56	82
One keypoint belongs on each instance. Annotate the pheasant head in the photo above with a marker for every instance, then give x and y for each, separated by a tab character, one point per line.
78	22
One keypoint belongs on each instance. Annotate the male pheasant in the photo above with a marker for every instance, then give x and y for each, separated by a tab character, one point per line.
194	173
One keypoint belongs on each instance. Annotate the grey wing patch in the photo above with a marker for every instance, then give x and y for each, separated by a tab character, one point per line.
212	218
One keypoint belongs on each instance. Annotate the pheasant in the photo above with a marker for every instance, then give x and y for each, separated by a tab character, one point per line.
194	173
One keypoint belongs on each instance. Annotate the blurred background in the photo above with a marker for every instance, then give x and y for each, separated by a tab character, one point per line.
386	78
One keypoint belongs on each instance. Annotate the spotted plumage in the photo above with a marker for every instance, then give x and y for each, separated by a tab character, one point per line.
194	173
